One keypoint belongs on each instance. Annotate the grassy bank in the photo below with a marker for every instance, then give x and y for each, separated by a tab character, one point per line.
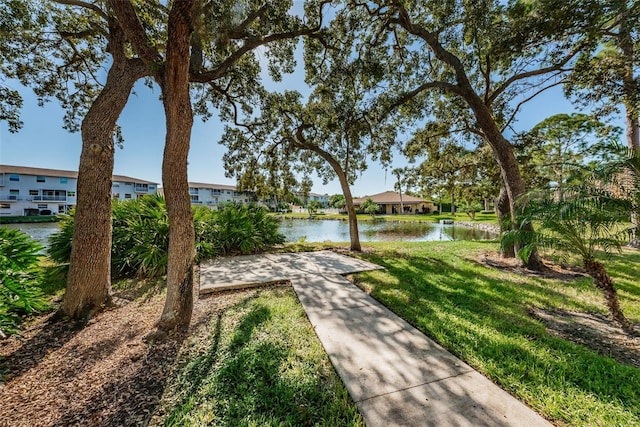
482	314
480	217
28	219
258	363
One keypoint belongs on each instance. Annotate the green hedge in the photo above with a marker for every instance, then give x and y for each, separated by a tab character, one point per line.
141	235
20	274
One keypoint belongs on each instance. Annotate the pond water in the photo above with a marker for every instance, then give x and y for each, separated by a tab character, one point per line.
335	231
384	231
37	231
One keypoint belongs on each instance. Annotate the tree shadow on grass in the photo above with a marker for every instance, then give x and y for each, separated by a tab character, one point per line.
246	376
482	316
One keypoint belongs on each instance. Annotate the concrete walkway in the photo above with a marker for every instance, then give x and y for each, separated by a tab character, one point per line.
396	375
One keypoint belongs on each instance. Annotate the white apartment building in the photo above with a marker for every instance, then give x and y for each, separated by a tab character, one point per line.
214	195
322	198
36	191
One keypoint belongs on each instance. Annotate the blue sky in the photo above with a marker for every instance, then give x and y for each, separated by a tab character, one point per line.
43	143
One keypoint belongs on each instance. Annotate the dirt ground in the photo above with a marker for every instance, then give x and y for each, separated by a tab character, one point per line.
593	330
57	374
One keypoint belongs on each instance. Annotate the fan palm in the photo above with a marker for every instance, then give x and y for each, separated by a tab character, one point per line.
588	222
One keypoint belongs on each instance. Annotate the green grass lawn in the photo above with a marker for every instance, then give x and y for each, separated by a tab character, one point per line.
259	364
481	315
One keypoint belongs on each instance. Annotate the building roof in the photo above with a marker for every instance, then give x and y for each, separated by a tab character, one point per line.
26	170
216	186
390	197
123	178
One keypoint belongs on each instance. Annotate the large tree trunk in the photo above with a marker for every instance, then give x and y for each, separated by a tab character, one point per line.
89	278
177	105
502	149
354	235
603	282
503	213
509	171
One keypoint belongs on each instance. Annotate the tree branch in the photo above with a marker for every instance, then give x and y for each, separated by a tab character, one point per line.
85	5
556	67
521	103
134	31
251	43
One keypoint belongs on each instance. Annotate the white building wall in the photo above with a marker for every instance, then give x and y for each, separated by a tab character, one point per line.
32	193
36	192
214	196
127	190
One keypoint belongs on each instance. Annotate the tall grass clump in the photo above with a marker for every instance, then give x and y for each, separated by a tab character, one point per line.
245	229
20	292
141	235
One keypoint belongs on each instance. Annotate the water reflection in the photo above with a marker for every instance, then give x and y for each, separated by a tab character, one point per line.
338	231
335	231
37	231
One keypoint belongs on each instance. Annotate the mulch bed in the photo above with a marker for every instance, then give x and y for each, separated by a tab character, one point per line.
104	374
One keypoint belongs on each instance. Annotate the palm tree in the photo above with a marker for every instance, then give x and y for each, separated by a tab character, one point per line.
589	222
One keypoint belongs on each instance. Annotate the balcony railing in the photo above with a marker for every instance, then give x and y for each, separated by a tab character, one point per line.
9	198
49	198
141	188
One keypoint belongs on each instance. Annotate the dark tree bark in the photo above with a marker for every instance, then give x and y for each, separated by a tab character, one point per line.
89	278
502	149
605	284
354	235
506	159
179	120
503	213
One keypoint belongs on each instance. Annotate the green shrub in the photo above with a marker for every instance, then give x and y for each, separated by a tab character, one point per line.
205	226
20	293
245	229
141	235
60	242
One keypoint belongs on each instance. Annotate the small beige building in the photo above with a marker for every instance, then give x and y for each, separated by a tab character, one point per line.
389	203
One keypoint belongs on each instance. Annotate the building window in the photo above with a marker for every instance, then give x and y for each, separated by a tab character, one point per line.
71	194
116	195
33	192
40	179
5	206
43	206
127	196
63	180
116	185
217	191
228	192
13	194
127	183
152	187
14	177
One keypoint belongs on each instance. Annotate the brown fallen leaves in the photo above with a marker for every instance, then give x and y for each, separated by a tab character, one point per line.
103	374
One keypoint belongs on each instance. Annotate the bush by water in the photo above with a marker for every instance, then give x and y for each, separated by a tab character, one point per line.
141	235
